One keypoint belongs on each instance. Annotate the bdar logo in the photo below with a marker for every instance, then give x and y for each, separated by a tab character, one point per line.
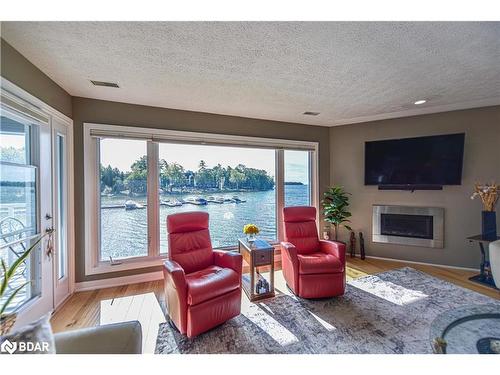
8	347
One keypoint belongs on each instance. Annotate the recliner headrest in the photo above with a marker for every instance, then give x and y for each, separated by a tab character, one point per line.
299	214
187	222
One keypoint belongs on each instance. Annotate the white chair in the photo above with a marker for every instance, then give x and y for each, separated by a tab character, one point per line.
495	261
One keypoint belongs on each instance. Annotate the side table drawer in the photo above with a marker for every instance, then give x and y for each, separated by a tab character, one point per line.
261	258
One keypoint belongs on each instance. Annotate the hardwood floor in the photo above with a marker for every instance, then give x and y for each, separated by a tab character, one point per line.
145	302
357	268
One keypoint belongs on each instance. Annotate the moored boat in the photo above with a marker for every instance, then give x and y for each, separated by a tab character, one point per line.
172	203
217	200
197	201
133	205
236	199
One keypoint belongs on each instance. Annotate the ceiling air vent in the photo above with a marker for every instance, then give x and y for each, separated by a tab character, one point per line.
105	84
309	113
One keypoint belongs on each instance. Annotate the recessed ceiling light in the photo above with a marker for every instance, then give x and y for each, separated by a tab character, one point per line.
104	84
421	101
309	113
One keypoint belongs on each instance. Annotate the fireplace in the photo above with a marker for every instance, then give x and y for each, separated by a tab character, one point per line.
406	225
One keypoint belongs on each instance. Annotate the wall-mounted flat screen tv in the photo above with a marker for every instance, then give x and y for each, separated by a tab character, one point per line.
434	160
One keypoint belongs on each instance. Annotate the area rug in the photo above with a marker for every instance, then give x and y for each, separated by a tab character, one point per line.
387	313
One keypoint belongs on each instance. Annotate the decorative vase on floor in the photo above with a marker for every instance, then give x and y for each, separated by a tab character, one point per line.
489	225
494	251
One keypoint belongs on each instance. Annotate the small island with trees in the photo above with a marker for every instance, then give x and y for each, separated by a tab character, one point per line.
175	179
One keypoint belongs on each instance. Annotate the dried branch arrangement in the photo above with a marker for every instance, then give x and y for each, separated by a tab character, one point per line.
488	194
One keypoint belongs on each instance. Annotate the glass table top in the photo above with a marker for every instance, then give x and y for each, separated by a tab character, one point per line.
467	330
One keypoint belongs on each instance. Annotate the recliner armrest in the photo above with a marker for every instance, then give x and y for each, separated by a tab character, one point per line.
289	247
176	273
334	248
291	252
228	259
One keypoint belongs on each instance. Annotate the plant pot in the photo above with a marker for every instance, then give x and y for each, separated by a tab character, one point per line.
489	225
6	323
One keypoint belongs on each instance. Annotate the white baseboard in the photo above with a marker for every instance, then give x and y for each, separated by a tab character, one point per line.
423	263
118	281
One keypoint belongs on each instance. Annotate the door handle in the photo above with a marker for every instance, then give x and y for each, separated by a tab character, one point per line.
50	242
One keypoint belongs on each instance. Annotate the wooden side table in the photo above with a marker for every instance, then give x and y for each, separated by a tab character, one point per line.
485	277
257	254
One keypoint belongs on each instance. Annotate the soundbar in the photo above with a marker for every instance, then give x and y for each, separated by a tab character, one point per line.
410	187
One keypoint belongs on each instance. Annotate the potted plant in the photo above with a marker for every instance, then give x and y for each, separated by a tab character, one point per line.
489	197
335	204
251	230
7	320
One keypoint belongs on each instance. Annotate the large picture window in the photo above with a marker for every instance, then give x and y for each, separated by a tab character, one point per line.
142	178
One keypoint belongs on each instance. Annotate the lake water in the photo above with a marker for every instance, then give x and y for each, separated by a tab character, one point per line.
124	233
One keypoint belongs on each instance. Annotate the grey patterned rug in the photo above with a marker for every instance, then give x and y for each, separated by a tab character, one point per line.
390	312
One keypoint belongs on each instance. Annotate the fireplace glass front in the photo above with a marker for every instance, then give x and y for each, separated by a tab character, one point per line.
403	225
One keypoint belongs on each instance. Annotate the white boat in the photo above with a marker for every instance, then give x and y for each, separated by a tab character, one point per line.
174	203
197	201
236	199
132	205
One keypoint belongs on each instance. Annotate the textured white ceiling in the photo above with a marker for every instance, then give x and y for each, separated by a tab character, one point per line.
348	71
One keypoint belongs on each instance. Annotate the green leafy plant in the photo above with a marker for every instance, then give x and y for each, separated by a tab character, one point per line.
8	273
335	204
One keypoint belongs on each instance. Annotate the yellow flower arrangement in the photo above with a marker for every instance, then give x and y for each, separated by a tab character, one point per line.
251	229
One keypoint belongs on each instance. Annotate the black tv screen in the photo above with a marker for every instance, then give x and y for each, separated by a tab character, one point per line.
434	160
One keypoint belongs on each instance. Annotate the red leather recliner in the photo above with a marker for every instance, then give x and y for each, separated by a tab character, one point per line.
202	285
312	268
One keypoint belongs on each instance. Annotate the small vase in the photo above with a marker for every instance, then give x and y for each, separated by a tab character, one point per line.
489	225
251	237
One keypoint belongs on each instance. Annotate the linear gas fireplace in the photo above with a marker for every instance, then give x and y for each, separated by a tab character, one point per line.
406	225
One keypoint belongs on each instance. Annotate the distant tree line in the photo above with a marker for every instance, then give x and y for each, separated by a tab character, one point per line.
173	176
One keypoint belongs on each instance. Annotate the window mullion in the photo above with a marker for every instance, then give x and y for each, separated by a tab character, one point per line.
280	191
153	200
96	232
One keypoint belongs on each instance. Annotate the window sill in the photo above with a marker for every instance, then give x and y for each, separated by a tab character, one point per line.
103	267
128	264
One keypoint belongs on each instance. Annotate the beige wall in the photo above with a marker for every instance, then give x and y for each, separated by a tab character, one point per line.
105	112
18	70
462	215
